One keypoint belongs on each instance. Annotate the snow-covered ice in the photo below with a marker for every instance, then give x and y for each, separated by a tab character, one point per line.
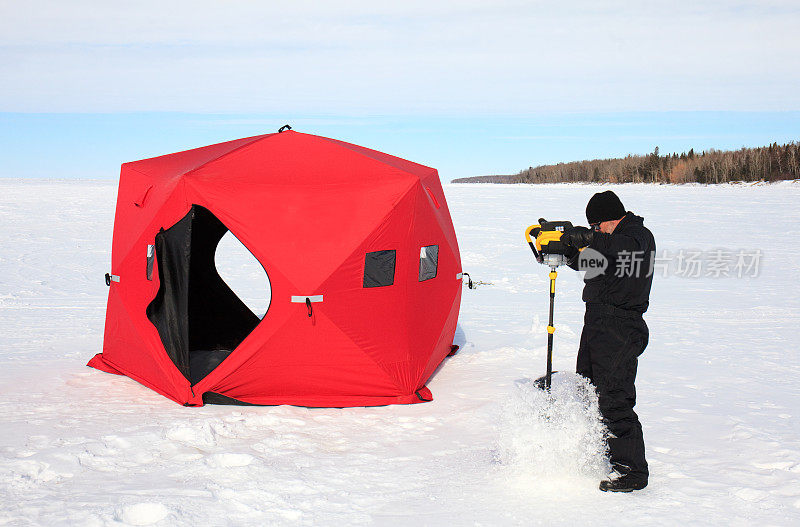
718	387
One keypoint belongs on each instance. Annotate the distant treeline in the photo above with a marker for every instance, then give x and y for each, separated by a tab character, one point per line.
770	163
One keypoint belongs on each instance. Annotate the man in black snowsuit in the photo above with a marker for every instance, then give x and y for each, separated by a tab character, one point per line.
614	332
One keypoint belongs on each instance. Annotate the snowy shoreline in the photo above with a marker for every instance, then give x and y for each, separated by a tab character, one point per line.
651	184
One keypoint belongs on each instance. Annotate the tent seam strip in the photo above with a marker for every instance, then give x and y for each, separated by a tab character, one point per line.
254	141
349	146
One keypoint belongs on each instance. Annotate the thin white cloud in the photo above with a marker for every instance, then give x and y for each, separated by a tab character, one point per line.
409	57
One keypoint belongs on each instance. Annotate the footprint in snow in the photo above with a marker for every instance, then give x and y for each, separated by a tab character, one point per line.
229	460
143	513
198	437
750	494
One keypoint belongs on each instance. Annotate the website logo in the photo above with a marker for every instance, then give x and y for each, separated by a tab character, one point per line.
591	262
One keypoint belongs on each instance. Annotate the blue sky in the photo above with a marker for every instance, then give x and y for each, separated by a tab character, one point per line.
468	87
94	145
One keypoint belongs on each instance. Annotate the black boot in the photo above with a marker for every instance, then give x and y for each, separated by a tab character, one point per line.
626	483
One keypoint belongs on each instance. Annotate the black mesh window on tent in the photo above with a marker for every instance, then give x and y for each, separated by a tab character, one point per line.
379	268
199	318
428	262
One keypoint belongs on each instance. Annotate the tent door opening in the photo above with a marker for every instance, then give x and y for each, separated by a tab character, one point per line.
198	316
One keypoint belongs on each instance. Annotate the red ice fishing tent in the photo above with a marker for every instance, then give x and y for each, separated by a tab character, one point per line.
362	261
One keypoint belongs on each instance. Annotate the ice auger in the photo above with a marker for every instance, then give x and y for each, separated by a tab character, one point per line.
544	239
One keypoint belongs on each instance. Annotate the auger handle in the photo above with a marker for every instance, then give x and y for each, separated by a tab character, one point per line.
534	230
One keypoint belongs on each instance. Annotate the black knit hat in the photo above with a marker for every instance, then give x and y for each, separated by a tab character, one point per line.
604	206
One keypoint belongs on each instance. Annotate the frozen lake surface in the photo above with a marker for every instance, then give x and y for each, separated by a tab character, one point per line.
718	390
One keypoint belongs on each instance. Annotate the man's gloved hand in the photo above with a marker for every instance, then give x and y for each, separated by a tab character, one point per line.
578	237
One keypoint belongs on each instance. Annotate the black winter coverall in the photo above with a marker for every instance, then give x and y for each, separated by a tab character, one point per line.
615	334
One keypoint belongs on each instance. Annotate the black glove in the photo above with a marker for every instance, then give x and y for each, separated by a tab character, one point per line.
578	237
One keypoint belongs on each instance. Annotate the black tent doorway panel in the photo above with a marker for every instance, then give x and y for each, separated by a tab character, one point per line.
199	318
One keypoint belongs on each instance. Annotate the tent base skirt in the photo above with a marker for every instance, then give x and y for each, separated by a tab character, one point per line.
98	363
216	398
423	395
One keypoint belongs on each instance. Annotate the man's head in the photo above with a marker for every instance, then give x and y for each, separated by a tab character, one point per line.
605	211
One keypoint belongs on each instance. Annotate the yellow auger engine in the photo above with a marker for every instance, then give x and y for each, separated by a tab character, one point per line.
546	243
549	250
